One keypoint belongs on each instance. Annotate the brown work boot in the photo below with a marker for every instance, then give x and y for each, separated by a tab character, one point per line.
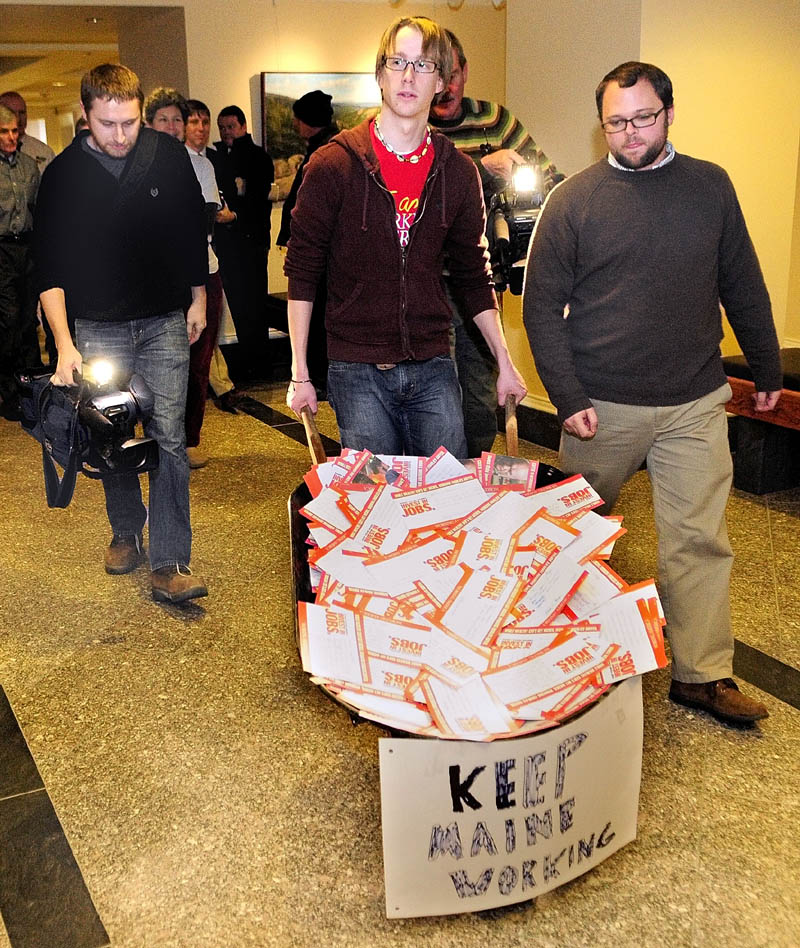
123	554
176	584
196	457
721	698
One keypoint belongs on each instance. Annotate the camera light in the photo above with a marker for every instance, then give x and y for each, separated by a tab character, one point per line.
101	371
525	179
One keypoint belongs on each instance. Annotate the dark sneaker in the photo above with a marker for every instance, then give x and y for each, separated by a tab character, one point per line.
721	698
10	410
176	584
123	554
229	400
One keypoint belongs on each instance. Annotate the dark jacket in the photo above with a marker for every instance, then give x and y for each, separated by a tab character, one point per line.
249	196
126	249
387	303
323	136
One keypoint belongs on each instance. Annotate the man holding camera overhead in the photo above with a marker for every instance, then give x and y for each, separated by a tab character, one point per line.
120	242
497	142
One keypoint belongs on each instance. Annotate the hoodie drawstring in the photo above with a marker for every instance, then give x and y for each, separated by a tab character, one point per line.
366	201
444	195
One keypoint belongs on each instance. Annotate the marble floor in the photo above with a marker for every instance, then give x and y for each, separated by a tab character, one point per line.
170	777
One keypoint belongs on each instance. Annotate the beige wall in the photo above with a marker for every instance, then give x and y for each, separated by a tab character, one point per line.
226	58
792	334
737	102
555	57
736	72
156	43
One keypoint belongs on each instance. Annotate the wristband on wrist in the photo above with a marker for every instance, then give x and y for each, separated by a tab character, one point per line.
300	381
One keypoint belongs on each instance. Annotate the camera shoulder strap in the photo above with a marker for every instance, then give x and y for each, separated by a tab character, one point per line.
141	160
59	490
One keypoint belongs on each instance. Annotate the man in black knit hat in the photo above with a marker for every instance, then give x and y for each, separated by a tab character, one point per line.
313	121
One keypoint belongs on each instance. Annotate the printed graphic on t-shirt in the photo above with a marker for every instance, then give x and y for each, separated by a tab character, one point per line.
405	180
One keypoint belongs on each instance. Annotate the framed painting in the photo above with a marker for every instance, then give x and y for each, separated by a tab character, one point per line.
356	96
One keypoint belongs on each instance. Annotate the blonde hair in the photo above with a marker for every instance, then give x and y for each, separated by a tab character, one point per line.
435	44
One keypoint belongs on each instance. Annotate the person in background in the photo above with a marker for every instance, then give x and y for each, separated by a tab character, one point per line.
361	215
628	265
167	110
497	142
245	174
41	153
313	121
19	183
198	132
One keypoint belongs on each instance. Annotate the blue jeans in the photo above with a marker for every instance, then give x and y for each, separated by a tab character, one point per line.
412	408
477	376
157	349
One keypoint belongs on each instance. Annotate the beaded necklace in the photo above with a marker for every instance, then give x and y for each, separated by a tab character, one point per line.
413	159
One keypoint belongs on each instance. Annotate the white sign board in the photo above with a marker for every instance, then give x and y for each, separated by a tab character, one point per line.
471	826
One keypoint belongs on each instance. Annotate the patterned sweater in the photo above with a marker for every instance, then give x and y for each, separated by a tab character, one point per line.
483	123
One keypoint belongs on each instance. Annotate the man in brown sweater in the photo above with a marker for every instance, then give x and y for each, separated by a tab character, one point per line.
641	248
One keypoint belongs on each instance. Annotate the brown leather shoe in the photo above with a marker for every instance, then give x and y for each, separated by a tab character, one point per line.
721	698
176	584
123	554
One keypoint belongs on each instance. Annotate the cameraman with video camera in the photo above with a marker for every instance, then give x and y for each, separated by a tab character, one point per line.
120	241
497	142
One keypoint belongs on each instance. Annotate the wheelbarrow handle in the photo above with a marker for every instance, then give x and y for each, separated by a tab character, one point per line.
512	437
315	447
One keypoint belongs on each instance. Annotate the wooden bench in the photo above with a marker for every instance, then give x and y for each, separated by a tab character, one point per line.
766	445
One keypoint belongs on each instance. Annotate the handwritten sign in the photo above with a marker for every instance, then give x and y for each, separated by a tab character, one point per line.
469	826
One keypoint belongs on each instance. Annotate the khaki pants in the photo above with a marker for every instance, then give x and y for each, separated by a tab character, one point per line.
690	469
218	377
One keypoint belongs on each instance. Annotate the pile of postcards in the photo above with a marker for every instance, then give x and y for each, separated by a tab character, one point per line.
457	600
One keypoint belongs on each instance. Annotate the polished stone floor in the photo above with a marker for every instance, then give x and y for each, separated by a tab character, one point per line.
169	776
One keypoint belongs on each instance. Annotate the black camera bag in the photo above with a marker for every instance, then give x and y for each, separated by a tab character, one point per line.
50	414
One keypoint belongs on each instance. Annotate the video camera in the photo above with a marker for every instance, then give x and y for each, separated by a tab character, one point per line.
512	215
111	415
107	414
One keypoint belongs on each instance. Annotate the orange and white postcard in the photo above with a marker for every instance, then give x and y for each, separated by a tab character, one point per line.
470	712
566	497
479	606
551	588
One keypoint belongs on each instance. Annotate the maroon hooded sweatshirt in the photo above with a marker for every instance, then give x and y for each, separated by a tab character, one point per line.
387	303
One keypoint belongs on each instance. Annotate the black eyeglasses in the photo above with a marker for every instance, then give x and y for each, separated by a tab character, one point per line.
398	64
644	120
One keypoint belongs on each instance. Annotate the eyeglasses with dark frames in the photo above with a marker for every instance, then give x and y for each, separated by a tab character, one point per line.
643	120
398	64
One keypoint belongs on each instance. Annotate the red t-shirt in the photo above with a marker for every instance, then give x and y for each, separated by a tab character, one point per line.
404	179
